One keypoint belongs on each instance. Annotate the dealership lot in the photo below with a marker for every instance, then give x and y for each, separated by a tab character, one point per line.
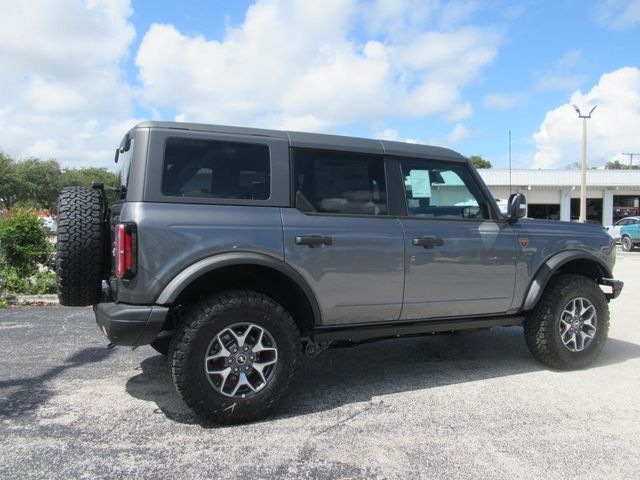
468	405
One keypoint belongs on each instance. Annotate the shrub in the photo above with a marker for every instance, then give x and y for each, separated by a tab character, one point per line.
23	243
41	283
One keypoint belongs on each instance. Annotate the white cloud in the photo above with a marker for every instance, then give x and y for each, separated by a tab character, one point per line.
613	128
295	64
403	18
458	133
290	64
393	135
617	14
388	134
504	101
62	88
569	60
562	77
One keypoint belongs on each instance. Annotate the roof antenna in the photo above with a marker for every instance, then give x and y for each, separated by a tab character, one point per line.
509	161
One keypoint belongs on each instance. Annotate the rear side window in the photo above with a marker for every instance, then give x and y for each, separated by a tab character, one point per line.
217	169
338	182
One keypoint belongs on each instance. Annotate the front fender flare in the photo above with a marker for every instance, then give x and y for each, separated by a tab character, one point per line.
551	266
181	281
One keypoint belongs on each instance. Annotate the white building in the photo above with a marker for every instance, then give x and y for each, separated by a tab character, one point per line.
555	194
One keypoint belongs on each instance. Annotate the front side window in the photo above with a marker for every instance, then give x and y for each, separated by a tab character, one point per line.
442	191
219	169
339	182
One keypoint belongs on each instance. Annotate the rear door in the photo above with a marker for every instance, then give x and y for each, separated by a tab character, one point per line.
341	238
459	261
634	226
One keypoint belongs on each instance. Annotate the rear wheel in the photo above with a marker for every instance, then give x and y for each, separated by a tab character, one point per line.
627	244
235	356
80	246
570	324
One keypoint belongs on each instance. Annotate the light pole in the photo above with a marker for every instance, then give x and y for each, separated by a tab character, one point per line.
631	157
583	181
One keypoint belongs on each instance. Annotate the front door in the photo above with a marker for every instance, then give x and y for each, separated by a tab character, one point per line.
459	261
341	239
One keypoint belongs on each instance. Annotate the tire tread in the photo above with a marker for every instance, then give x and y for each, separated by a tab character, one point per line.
540	325
79	246
201	314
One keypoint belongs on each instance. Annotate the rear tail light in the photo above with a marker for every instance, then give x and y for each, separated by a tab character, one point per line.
125	250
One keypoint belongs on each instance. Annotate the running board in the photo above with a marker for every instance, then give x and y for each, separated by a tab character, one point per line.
363	333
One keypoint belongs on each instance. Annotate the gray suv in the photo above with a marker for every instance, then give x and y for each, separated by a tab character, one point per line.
238	251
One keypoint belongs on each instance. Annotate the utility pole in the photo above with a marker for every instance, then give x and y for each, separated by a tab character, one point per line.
583	180
630	157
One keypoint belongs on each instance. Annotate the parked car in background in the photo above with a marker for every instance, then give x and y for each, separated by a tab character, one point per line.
630	235
614	230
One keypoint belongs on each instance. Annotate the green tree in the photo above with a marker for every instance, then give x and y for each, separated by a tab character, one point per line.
84	176
480	162
618	165
38	182
34	183
8	180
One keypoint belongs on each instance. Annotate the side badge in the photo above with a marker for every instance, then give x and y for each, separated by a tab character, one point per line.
523	242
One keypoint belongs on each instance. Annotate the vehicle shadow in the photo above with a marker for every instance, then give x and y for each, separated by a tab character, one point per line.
32	392
351	375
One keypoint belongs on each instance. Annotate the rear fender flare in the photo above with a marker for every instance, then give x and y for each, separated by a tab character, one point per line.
187	276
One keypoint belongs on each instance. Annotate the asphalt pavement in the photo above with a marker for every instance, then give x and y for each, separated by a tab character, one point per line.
469	405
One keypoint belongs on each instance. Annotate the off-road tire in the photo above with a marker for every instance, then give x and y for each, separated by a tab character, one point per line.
627	244
80	246
541	327
201	323
161	345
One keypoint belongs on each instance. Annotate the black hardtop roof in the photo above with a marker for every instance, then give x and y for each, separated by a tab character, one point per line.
319	140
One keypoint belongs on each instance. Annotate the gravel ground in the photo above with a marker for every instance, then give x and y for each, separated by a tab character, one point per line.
472	405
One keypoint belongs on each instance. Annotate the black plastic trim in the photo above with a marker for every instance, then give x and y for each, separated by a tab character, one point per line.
195	271
616	287
363	333
130	325
550	266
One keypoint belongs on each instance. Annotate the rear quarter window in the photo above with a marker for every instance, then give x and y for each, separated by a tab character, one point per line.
123	166
216	169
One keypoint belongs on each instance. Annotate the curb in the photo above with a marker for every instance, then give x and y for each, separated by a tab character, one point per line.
42	300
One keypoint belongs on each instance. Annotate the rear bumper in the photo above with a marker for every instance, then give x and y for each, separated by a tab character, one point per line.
616	287
130	325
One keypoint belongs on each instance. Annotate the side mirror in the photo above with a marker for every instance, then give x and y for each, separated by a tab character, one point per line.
517	207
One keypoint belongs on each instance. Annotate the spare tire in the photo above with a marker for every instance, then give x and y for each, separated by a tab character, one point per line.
80	261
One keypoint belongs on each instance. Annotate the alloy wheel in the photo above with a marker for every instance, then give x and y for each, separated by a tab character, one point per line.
578	324
241	360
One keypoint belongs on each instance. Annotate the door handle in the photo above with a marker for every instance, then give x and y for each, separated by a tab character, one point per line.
314	240
428	241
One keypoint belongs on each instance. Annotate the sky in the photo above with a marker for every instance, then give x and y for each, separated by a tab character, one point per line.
75	75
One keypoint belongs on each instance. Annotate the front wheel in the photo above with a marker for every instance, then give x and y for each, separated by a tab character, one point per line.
235	355
627	244
570	324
